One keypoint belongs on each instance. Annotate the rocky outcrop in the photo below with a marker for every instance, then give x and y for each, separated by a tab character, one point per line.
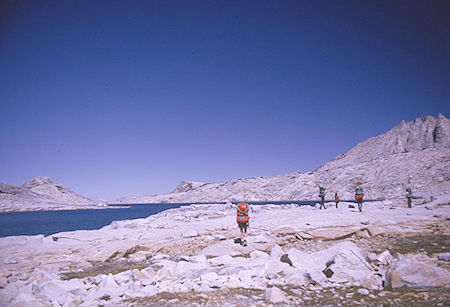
41	193
186	186
414	154
190	253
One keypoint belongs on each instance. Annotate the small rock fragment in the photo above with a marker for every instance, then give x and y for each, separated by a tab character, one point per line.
372	257
385	258
444	256
328	272
363	291
11	260
285	259
304	235
365	222
190	234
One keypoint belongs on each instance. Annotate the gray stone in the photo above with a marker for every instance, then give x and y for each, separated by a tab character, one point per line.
190	234
372	257
298	280
256	254
139	256
385	258
276	251
275	295
328	272
304	235
444	256
415	273
209	277
220	237
11	260
363	291
273	269
316	277
221	260
285	258
365	222
258	239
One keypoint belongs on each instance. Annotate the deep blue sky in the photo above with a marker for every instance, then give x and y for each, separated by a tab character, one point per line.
128	98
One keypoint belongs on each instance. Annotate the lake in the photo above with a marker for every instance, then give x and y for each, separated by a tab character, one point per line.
50	222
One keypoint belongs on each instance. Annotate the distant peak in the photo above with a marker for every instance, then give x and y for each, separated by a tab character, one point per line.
186	186
41	180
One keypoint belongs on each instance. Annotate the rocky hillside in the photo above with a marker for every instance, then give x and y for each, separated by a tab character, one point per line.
40	193
414	154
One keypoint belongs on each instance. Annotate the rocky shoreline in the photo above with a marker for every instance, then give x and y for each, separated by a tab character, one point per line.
297	255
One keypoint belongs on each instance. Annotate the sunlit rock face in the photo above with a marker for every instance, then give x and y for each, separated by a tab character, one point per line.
414	154
40	193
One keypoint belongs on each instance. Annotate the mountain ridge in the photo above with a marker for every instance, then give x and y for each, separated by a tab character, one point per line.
41	193
415	153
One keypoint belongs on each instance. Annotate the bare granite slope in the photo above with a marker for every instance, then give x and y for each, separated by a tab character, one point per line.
41	193
188	256
414	154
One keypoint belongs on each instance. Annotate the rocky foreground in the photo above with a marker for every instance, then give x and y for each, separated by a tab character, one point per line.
296	256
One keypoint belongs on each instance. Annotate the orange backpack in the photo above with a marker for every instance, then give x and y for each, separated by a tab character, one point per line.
242	213
359	196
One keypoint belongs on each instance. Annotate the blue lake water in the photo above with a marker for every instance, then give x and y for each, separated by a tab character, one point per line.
50	222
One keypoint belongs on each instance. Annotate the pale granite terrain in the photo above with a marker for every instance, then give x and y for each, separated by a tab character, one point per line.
296	256
414	154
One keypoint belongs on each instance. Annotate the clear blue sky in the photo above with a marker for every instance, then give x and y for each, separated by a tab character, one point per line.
128	98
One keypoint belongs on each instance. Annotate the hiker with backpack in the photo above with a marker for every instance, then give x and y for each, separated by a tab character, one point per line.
359	198
242	220
336	199
409	196
322	197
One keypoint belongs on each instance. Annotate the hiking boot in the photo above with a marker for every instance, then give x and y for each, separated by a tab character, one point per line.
244	243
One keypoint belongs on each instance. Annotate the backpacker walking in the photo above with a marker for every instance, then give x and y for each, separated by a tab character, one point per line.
322	197
359	198
336	199
409	196
242	220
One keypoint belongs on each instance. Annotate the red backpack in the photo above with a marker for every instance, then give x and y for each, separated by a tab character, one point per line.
242	213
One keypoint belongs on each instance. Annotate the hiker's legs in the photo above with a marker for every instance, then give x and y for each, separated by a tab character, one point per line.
336	204
322	203
244	242
409	202
360	206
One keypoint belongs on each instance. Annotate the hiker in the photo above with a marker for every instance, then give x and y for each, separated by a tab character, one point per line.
242	220
322	197
336	199
359	198
409	196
